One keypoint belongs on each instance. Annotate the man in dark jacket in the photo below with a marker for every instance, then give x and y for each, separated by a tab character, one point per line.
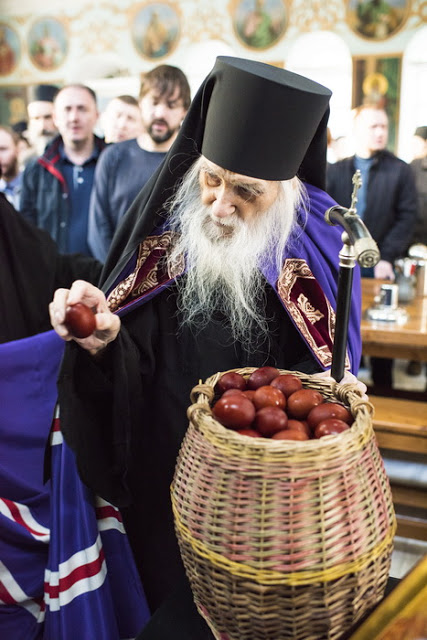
388	197
57	186
387	201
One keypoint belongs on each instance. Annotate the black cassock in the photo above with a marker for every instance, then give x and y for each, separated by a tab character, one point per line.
125	415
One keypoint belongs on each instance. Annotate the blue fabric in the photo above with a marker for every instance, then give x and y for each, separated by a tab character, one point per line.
79	179
122	170
66	569
364	165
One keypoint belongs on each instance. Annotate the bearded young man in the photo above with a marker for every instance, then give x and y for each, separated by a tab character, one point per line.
223	261
126	166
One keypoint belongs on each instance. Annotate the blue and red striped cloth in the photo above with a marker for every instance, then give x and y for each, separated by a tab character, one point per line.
66	568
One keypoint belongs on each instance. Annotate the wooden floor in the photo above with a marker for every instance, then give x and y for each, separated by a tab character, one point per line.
406	554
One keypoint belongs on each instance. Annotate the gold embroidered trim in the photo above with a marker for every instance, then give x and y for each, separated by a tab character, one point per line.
297	268
127	287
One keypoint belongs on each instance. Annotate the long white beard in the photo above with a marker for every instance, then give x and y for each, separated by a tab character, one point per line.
223	270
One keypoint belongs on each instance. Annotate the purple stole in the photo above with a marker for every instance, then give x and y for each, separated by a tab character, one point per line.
306	284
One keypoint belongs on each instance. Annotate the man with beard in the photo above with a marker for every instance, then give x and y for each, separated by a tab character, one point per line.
126	166
41	126
224	260
11	175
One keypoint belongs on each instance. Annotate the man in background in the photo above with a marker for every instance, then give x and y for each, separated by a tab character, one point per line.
57	186
125	167
10	172
41	128
387	201
121	119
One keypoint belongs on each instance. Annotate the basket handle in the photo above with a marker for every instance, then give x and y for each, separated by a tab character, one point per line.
202	388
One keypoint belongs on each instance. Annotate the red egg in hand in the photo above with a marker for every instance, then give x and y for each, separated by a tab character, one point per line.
269	420
80	320
234	411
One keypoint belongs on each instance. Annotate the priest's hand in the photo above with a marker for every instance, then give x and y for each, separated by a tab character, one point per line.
348	378
107	325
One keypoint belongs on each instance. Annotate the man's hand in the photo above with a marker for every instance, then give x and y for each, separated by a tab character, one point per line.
384	271
107	324
348	378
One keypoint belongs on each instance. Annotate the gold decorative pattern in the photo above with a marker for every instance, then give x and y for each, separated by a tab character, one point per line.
292	270
317	14
205	23
127	287
314	315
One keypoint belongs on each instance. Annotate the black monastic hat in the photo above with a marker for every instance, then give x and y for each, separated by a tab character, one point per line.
261	120
42	93
248	117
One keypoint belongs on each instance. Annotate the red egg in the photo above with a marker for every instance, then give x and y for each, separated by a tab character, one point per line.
269	420
251	433
328	410
262	376
249	393
301	402
330	427
232	392
287	383
268	396
299	425
234	411
231	380
80	320
288	434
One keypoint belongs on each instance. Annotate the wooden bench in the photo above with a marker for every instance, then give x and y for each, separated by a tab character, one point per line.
401	429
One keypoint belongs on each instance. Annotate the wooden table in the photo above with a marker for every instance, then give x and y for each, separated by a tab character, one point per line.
389	339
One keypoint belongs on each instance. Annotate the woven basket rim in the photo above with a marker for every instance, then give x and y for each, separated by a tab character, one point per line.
201	416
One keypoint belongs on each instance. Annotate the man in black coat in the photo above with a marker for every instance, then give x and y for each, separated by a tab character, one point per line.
387	201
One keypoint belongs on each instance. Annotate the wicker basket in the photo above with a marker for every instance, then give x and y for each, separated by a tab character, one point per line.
283	539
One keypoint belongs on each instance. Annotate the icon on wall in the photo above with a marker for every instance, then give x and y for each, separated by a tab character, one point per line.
10	49
377	19
48	43
259	24
156	29
376	80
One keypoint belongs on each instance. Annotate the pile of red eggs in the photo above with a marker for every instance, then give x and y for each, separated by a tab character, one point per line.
277	406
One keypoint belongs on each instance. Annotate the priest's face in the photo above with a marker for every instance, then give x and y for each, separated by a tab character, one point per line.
227	226
231	197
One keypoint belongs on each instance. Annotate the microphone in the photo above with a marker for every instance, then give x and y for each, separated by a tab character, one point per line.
366	250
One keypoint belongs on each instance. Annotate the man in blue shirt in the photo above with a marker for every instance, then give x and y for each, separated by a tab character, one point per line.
125	167
57	186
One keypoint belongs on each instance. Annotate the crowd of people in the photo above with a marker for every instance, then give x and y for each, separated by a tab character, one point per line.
199	241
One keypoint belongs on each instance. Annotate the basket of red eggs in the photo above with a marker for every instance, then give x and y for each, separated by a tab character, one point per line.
282	507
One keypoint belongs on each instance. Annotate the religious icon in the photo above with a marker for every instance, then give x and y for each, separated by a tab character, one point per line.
9	49
376	80
48	43
259	24
377	19
156	29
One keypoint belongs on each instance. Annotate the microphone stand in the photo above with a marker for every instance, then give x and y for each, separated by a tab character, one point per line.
358	246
